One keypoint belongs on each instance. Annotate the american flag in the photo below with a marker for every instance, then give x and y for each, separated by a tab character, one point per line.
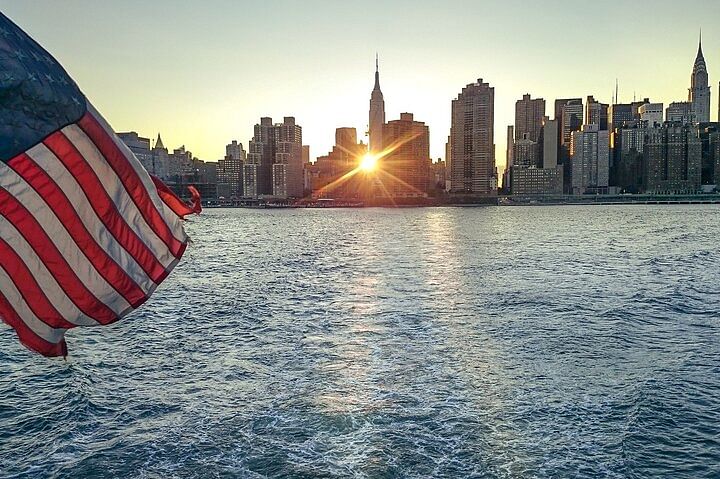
86	234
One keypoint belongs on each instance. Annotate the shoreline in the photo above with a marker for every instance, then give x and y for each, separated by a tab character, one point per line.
501	201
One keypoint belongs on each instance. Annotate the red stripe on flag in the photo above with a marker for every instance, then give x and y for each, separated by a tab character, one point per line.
29	289
26	335
64	210
103	206
45	249
130	180
178	206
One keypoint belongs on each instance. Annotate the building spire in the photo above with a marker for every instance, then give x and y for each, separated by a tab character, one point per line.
700	53
159	143
377	72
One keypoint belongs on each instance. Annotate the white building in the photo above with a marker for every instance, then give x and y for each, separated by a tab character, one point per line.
652	113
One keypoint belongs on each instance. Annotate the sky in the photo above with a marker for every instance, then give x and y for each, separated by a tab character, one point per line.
202	73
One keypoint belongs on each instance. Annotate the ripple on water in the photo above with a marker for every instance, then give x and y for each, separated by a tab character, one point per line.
483	342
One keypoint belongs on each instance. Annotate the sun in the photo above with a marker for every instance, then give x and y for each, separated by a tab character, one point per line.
368	162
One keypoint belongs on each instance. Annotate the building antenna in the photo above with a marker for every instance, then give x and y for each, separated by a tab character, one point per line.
617	91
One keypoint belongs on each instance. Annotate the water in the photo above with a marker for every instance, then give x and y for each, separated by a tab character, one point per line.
449	342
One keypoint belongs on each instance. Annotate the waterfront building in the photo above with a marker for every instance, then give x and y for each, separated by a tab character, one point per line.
596	113
472	141
377	114
714	141
161	160
651	114
438	173
527	152
230	170
141	149
681	112
448	162
257	170
699	91
673	159
287	168
274	165
590	160
628	148
529	115
509	154
709	135
534	181
329	170
405	171
536	171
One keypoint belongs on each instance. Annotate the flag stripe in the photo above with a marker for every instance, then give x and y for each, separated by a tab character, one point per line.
26	335
29	289
38	212
54	292
130	179
42	158
124	203
174	218
65	274
119	225
23	311
59	204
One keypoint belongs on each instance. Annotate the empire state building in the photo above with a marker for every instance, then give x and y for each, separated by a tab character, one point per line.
377	114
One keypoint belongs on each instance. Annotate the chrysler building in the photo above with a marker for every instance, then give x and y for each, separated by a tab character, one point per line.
699	92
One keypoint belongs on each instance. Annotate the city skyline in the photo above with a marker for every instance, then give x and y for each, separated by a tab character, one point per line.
150	84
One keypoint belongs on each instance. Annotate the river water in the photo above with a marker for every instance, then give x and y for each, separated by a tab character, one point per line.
508	342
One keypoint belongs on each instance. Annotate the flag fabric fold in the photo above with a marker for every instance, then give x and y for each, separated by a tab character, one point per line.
86	234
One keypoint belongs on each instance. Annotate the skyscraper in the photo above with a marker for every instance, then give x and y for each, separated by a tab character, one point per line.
257	171
287	168
332	168
699	92
274	163
405	171
596	113
620	114
472	145
230	170
673	159
377	114
590	156
628	147
529	116
570	114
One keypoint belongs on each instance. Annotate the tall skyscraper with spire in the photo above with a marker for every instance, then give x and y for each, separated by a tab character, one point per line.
699	93
377	114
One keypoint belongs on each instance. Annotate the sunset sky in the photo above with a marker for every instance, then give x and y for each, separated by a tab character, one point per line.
202	73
